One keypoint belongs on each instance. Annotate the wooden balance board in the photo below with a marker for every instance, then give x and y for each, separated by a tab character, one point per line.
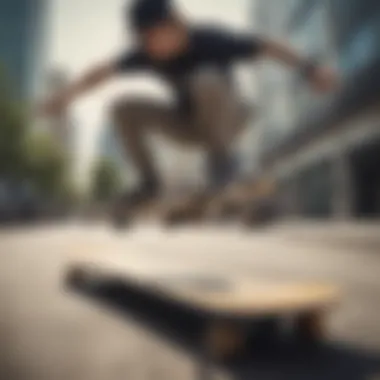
231	305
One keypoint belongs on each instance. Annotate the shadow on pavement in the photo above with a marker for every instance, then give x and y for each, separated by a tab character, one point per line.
183	327
327	363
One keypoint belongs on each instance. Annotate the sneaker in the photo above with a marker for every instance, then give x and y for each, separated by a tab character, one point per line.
127	203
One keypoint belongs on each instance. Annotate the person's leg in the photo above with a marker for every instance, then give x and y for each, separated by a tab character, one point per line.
220	116
133	120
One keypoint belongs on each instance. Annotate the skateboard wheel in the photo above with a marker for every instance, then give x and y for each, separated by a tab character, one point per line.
82	278
76	277
224	340
267	331
309	327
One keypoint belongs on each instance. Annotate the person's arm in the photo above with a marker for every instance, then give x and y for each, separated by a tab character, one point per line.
322	78
91	79
245	46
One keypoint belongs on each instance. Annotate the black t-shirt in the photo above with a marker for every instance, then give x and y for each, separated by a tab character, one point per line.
209	48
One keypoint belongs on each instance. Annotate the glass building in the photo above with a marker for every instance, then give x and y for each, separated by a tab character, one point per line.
22	44
344	33
357	33
318	171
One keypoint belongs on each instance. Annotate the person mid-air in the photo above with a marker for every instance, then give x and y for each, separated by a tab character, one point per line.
197	61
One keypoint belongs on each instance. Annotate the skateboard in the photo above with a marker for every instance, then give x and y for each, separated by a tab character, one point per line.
172	212
235	310
191	208
252	203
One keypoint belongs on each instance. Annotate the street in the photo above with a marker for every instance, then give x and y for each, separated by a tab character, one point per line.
48	333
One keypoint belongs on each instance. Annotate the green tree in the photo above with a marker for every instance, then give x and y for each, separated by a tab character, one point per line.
13	125
29	154
106	180
46	164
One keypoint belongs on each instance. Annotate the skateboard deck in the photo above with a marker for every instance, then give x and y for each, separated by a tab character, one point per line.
250	201
246	298
231	305
185	209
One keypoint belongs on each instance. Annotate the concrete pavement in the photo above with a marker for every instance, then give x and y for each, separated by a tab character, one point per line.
49	334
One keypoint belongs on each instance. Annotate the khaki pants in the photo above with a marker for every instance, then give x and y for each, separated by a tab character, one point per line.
217	118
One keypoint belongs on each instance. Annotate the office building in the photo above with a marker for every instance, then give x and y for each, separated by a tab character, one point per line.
23	34
323	150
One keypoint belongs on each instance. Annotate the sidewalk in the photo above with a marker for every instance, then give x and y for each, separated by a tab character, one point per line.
350	235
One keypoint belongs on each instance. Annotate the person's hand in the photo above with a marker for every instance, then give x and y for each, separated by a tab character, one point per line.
324	80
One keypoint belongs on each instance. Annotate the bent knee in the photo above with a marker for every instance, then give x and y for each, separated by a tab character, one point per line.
126	112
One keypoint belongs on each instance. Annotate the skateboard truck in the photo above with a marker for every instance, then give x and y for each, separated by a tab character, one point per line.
223	339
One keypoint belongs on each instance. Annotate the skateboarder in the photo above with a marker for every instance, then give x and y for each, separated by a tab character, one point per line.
197	62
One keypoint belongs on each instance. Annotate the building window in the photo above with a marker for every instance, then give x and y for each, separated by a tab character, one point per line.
312	35
349	16
362	48
300	10
315	189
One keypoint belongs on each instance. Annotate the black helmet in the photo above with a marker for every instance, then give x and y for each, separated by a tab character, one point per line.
145	14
